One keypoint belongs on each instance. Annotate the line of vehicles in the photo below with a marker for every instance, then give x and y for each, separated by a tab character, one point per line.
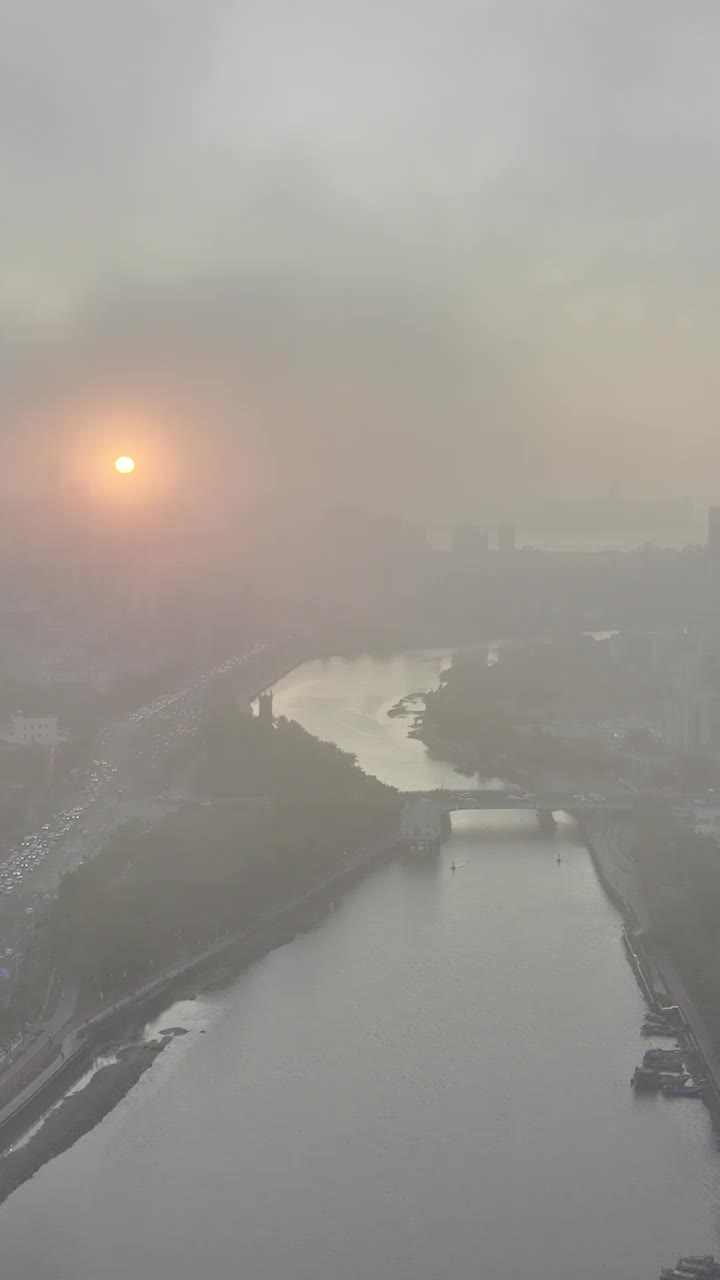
27	856
178	695
32	850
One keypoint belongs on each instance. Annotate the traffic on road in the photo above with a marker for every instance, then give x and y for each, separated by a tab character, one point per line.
127	782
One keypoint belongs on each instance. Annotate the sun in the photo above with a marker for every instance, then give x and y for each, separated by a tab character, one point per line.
124	465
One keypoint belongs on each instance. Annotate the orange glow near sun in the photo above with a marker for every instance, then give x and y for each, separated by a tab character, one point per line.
121	459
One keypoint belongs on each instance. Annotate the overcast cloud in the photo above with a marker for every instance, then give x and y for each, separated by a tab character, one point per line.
453	250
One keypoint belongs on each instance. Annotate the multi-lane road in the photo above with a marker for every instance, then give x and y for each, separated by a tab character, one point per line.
128	781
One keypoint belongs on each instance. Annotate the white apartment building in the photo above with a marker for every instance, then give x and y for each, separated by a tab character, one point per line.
26	731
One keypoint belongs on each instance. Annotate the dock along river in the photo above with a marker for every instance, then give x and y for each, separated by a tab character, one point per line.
433	1084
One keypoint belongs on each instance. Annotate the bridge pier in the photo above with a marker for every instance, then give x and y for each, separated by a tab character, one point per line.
423	822
425	819
546	821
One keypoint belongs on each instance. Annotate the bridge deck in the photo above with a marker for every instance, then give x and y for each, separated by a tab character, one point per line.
623	802
454	801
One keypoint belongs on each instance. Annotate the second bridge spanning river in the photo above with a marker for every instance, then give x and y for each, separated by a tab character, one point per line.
425	815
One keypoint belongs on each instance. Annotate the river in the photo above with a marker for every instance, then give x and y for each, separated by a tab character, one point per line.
431	1085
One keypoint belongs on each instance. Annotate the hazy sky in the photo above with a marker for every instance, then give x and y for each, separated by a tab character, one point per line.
379	247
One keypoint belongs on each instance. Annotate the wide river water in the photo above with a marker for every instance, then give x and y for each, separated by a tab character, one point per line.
431	1085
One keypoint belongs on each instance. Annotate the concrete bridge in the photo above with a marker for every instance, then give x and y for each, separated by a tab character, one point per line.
425	815
451	801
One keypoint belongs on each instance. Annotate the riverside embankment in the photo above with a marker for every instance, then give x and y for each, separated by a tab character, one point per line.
655	971
77	1114
77	1042
433	1081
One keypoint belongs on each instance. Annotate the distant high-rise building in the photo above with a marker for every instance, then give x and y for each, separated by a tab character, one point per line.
692	709
469	541
27	731
506	538
632	646
713	536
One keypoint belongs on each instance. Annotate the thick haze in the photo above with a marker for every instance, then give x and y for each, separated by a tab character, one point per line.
395	250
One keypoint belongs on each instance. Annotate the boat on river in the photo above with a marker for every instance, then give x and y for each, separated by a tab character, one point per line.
693	1267
664	1022
680	1273
667	1058
649	1078
699	1264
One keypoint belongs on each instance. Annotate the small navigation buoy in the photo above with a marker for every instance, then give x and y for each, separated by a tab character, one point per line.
558	859
453	867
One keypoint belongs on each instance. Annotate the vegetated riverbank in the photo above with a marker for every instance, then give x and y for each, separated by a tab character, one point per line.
505	718
125	1019
280	813
79	1112
283	817
661	977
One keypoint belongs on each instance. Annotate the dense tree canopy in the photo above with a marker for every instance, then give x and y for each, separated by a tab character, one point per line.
281	809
